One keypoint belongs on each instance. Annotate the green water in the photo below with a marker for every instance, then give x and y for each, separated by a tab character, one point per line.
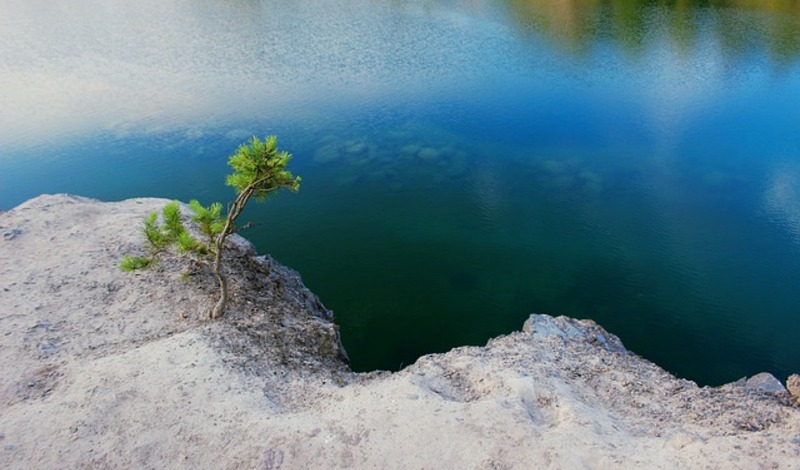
464	164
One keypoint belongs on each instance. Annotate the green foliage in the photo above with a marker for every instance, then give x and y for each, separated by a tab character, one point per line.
161	236
132	263
173	225
259	166
153	233
187	243
209	219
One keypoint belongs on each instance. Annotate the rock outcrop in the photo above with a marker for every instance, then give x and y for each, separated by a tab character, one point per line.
104	369
793	384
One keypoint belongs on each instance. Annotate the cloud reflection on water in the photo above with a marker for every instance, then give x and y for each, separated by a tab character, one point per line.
85	66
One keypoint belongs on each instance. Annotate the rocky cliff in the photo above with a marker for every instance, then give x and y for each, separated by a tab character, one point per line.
105	369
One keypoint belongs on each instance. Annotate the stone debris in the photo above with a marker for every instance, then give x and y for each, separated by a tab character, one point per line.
11	234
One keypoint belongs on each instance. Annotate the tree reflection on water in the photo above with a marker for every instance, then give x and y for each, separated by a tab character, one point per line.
579	25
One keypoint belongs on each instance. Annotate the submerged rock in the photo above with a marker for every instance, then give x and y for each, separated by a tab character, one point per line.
327	154
428	153
355	147
410	149
592	189
553	166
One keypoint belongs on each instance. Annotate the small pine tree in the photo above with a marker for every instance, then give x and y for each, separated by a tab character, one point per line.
259	170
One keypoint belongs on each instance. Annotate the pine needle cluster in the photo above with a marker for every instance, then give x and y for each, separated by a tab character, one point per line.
172	231
259	166
160	236
209	219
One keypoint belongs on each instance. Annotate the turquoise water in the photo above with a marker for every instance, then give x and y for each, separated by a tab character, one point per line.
464	163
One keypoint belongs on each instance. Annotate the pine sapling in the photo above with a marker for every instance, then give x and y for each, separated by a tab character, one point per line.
259	170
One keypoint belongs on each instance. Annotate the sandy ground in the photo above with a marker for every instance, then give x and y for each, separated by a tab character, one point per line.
105	369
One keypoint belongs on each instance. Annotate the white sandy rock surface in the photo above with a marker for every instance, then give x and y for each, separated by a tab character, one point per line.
104	369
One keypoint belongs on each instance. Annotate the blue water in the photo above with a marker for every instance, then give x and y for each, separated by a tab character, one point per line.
464	163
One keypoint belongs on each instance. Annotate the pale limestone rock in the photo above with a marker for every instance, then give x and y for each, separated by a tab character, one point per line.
765	382
793	385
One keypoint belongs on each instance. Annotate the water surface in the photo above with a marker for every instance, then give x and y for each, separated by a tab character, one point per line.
464	163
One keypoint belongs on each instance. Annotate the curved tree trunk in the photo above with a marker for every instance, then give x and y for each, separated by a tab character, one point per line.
219	308
233	213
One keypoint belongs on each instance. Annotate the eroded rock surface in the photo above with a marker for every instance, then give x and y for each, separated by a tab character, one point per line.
104	369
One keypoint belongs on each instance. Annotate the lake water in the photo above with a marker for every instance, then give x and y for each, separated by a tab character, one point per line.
464	163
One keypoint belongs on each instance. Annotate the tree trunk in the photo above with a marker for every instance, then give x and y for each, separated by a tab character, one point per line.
233	213
219	308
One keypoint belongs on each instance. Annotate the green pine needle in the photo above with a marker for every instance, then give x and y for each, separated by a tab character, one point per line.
173	225
132	263
208	219
187	243
153	232
260	166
